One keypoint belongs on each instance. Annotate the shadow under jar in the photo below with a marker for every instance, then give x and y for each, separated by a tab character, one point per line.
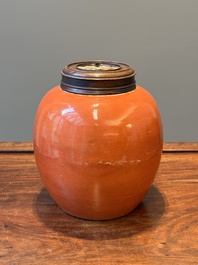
98	140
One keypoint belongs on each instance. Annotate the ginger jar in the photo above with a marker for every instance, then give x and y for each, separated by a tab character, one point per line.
98	140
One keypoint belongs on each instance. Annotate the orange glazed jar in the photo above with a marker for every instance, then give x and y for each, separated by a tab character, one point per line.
98	140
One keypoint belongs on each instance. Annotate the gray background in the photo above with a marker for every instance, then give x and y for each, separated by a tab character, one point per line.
158	38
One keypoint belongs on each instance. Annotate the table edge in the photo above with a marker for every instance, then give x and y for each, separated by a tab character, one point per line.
7	147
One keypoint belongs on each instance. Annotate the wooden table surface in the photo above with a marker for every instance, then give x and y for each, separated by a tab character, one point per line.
163	229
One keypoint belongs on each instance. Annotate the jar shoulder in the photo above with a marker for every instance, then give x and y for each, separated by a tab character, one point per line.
117	109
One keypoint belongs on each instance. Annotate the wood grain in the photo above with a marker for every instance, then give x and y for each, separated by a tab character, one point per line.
163	229
180	147
14	147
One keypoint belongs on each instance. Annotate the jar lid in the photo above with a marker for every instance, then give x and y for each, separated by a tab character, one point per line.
98	78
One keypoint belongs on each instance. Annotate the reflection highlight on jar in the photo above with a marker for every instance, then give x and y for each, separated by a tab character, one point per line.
72	116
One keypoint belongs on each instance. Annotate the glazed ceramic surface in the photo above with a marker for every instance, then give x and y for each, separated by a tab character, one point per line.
98	154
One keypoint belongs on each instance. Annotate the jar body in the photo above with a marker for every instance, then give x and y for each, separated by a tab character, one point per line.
98	154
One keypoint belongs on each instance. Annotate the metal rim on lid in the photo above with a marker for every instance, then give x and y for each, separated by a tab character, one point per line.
98	78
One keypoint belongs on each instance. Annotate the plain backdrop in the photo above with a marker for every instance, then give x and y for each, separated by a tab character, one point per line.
158	38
